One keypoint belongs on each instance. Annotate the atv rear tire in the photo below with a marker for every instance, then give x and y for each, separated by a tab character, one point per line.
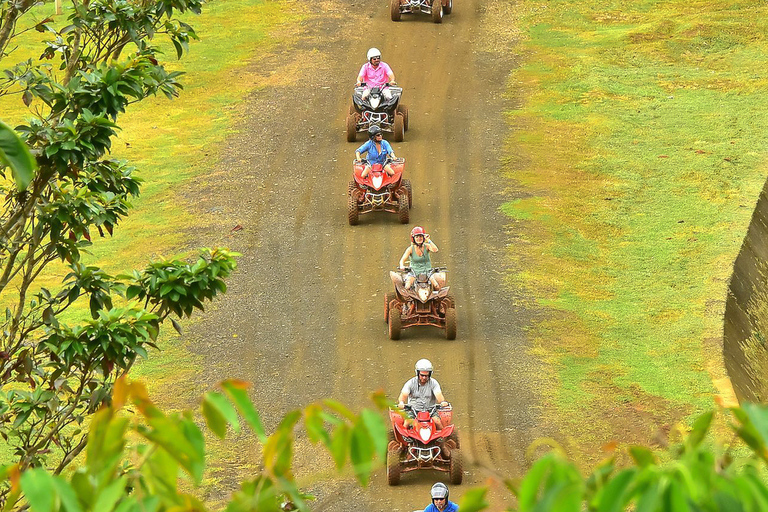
352	110
402	109
394	325
393	466
388	298
455	438
353	213
351	128
450	323
394	10
448	8
399	128
403	207
352	186
407	185
437	11
455	467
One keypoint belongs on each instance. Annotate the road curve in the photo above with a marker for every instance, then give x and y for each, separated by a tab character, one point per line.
303	318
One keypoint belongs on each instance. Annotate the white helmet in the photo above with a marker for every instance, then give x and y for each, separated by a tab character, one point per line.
423	365
373	52
439	491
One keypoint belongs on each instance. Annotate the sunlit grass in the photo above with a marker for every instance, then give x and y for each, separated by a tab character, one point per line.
644	129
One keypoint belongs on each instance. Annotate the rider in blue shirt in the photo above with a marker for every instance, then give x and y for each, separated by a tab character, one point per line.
440	502
379	151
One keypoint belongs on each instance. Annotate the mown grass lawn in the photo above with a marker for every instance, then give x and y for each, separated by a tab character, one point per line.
640	148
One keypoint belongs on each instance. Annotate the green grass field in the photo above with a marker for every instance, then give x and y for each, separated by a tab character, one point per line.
641	142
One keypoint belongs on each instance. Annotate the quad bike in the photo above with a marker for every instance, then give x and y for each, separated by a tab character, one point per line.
419	305
376	109
421	446
435	8
379	192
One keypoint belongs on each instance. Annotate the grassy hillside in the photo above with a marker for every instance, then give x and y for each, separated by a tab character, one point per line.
640	148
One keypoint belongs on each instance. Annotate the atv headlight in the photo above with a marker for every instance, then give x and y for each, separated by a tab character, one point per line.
423	294
425	433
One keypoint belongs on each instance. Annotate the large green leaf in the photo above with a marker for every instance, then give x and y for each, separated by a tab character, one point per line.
15	154
236	390
474	500
361	452
39	490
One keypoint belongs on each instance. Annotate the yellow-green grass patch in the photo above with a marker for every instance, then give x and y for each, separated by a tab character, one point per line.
641	143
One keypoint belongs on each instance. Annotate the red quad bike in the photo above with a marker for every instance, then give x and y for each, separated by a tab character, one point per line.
435	8
420	305
422	446
379	192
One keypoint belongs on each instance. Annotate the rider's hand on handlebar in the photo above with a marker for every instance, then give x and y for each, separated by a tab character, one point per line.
400	405
443	404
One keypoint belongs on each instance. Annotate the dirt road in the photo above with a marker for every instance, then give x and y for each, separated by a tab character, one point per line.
303	319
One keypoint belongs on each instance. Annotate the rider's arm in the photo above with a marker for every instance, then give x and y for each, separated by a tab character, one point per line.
360	75
406	255
387	147
362	149
440	398
390	74
431	247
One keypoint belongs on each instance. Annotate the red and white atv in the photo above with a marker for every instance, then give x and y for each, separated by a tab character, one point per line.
379	192
421	446
435	8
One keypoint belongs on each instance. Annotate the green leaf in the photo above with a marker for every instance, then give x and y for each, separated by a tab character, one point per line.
614	495
236	390
340	444
108	497
529	487
377	430
38	487
642	456
340	409
214	419
361	452
474	500
699	430
225	409
313	422
15	154
67	495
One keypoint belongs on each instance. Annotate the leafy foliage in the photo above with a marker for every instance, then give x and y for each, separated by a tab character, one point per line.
145	476
60	187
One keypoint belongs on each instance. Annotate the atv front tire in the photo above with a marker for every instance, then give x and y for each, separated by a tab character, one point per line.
394	10
393	466
450	323
388	298
394	325
437	11
403	207
409	189
455	467
455	438
351	128
399	128
402	109
352	208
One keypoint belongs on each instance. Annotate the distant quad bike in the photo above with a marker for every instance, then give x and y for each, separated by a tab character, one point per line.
419	305
422	446
435	8
379	192
376	109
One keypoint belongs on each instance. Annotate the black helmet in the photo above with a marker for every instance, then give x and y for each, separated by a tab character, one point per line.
373	131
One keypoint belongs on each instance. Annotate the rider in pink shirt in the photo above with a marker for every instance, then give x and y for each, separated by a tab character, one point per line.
375	73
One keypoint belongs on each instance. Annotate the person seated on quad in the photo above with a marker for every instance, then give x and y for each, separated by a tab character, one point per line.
440	502
422	392
420	261
379	152
375	73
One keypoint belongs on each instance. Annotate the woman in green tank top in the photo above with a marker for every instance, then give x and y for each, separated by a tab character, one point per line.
418	255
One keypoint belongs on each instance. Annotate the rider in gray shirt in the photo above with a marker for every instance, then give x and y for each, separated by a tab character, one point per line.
422	391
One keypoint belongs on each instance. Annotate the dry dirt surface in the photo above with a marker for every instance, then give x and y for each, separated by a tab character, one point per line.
303	318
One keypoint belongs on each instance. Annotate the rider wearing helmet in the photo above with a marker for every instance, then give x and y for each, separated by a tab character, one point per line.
420	261
379	151
422	391
440	502
375	73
